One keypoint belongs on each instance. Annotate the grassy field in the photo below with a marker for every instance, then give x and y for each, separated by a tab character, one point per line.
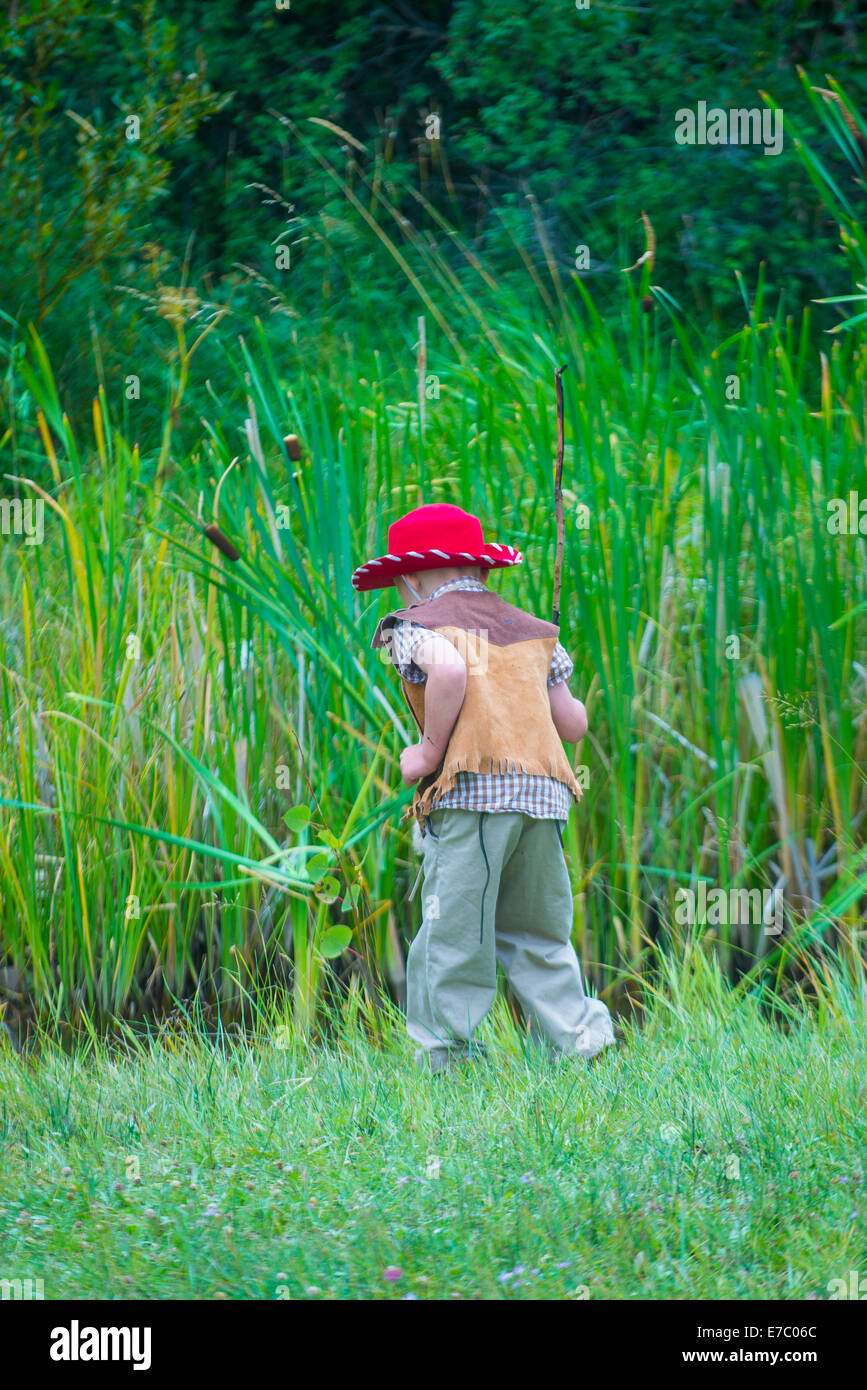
711	1155
200	795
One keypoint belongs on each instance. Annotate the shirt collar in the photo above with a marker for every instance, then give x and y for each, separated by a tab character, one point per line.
450	584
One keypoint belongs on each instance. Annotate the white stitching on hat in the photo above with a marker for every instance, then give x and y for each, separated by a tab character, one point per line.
444	553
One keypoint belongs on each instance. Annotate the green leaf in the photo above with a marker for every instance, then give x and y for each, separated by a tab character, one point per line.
335	941
327	889
296	818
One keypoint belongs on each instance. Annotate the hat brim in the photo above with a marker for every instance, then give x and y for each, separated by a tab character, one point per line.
381	572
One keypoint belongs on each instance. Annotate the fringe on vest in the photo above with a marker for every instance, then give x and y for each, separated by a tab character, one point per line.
532	767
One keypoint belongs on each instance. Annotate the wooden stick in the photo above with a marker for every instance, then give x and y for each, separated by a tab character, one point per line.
558	495
421	370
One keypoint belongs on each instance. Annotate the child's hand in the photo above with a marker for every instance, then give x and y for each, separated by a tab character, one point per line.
415	763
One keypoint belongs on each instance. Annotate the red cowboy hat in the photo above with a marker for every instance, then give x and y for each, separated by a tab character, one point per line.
431	538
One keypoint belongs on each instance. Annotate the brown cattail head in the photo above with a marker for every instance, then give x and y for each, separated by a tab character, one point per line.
647	303
223	544
850	123
293	446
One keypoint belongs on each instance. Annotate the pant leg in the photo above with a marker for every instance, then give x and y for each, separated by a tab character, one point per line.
451	968
534	946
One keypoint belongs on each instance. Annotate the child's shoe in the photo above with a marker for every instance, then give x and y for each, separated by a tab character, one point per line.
438	1059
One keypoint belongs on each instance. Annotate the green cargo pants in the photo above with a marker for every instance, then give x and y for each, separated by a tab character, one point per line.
496	889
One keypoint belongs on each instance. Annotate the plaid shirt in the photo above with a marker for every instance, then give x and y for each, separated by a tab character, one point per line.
540	797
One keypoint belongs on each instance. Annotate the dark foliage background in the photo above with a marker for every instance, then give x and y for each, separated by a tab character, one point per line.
536	100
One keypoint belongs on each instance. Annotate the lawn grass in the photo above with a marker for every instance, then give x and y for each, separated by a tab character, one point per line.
713	1154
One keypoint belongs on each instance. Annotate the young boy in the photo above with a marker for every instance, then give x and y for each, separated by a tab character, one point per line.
486	685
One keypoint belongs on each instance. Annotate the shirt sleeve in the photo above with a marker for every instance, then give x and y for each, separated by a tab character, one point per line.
406	638
561	666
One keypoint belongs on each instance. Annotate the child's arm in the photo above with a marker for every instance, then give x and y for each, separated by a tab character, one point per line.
445	688
568	714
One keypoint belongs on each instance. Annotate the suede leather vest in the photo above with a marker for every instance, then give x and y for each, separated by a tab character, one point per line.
505	722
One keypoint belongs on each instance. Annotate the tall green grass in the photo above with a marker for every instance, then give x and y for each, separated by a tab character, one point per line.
218	743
